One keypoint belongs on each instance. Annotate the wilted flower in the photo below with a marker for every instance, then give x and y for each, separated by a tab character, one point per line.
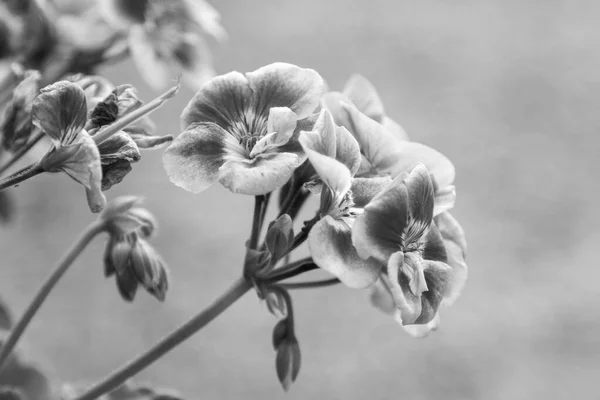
16	125
60	111
242	130
166	37
397	230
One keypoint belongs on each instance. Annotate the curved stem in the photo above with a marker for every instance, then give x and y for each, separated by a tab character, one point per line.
118	377
38	135
64	264
310	285
20	176
256	221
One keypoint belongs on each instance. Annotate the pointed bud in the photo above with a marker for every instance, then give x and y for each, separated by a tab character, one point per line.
276	303
280	236
287	361
149	269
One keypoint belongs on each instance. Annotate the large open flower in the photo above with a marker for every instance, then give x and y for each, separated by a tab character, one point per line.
397	230
242	130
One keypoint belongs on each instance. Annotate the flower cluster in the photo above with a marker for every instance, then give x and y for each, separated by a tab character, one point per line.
383	219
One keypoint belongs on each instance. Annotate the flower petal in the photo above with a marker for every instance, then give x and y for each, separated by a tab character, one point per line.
394	128
381	297
223	100
330	244
60	111
116	154
193	56
419	331
324	130
364	96
365	189
420	197
332	172
281	125
378	232
433	245
444	199
333	102
260	175
437	275
285	85
155	70
347	150
407	302
456	246
193	160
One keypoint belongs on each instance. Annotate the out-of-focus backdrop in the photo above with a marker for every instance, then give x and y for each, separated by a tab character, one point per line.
508	90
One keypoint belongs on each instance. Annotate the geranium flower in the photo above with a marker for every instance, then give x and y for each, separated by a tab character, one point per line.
397	230
242	130
60	111
167	37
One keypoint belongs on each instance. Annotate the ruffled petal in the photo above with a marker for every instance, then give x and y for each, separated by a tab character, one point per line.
60	111
419	331
333	102
224	100
438	276
407	302
332	172
364	96
193	160
285	85
155	70
420	200
331	248
322	138
260	175
378	232
444	199
433	245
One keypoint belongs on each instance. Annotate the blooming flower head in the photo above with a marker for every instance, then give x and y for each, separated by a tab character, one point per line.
242	130
397	230
166	37
60	111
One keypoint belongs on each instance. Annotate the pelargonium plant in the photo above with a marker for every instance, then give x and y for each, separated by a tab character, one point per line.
382	224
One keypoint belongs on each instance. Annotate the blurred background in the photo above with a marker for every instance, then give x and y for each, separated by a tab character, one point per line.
508	90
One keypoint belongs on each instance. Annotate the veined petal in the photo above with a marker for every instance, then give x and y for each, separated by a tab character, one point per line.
193	160
379	230
433	245
365	189
330	244
420	200
261	175
223	100
332	172
406	155
60	111
285	85
347	150
364	96
155	70
438	276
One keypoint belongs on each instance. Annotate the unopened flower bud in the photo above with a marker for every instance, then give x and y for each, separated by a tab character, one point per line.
280	236
149	269
287	361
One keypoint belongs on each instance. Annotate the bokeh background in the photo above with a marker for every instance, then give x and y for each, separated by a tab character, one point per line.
507	89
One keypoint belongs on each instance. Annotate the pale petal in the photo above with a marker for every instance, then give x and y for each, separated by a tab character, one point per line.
381	297
260	175
378	231
444	199
60	111
332	172
331	248
224	100
364	96
419	331
455	245
333	102
324	140
155	70
193	160
394	128
283	121
286	85
347	150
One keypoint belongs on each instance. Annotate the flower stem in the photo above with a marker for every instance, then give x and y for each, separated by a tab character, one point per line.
118	377
37	136
290	270
310	285
257	221
64	264
20	176
133	116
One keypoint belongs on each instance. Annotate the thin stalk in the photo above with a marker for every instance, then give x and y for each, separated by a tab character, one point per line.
133	116
256	221
62	267
37	136
118	377
310	285
290	270
20	176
